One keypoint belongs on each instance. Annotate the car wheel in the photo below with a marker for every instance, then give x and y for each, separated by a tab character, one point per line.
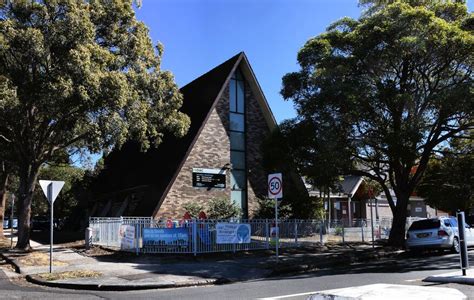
455	248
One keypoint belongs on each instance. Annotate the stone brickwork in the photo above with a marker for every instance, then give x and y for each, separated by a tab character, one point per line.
212	150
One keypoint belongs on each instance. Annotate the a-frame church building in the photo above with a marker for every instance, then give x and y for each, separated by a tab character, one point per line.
219	157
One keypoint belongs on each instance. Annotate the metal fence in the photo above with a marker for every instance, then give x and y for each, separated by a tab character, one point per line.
201	236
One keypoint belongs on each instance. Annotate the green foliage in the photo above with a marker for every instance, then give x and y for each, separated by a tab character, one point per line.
222	209
385	91
278	156
369	189
92	78
266	209
441	7
339	230
193	208
449	180
79	75
66	200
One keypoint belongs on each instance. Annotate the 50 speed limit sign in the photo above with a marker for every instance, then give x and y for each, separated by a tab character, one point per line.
275	186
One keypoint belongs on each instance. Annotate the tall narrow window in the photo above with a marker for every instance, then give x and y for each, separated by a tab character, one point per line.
238	178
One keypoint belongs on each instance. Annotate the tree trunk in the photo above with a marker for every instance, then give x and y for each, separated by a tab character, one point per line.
3	199
397	233
28	176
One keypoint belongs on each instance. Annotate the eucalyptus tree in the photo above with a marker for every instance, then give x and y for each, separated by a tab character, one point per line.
394	85
78	74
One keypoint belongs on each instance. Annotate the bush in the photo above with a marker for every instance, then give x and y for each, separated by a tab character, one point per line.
266	209
193	209
222	208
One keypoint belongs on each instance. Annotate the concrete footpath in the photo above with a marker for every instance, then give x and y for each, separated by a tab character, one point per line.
453	277
126	271
115	270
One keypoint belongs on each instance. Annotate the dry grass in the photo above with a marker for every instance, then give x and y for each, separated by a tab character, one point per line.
69	275
38	259
5	243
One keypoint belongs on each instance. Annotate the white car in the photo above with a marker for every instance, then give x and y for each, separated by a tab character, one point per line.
437	233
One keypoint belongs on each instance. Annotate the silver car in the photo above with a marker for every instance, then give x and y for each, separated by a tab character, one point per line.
437	233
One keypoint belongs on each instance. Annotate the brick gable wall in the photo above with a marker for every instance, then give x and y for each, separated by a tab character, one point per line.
212	150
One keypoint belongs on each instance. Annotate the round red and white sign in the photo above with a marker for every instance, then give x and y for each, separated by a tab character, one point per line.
275	186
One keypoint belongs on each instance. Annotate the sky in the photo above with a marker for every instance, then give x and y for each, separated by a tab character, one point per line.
200	34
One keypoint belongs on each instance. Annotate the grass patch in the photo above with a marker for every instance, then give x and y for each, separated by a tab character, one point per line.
38	259
5	243
69	275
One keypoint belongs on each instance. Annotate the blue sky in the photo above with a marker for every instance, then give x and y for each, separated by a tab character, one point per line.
200	34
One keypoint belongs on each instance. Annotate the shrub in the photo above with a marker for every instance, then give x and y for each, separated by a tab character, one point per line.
266	209
222	208
193	208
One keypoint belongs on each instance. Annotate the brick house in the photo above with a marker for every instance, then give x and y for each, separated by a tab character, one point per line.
219	157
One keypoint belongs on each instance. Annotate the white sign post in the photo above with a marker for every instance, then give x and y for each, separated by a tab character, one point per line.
275	191
51	190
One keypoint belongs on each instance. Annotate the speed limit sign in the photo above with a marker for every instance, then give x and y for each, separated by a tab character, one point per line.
275	186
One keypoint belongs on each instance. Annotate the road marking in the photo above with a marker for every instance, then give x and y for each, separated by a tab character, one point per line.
412	280
288	296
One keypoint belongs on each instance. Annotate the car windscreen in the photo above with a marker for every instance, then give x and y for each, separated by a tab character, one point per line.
454	222
425	224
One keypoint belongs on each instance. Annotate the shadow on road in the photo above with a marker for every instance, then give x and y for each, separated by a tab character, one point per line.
404	263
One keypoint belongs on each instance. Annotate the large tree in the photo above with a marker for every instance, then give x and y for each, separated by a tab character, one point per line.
394	85
78	74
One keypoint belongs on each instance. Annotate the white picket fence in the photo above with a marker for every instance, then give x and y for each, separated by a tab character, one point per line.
200	236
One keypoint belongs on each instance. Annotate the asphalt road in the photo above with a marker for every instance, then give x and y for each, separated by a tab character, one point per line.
408	270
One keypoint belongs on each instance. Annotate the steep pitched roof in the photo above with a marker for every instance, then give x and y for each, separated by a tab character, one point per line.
206	91
199	98
160	166
348	186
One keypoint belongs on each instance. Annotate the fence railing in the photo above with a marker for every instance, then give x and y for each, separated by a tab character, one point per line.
147	235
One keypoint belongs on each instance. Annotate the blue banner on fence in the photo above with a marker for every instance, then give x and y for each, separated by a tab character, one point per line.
165	236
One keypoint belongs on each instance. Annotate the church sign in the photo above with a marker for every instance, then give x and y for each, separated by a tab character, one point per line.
208	178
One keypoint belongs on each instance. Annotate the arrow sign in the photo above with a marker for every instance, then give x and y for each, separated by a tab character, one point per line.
55	187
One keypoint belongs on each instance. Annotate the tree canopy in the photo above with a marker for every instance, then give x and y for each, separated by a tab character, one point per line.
449	180
79	75
392	87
